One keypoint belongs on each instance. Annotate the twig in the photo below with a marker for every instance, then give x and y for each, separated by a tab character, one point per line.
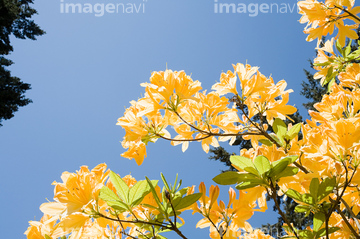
273	195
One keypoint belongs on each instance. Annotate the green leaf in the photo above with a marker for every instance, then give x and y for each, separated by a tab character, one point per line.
244	163
162	237
331	82
121	187
308	199
107	194
291	158
227	178
325	188
322	63
249	184
288	159
328	75
139	191
314	187
118	206
322	231
293	132
302	209
165	182
176	185
347	49
262	164
277	140
149	206
178	225
287	172
306	234
354	54
279	128
279	168
187	201
157	200
47	237
294	194
112	199
247	177
339	47
266	142
287	228
181	192
318	221
280	165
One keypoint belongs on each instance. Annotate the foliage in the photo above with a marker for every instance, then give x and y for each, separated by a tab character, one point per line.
319	170
12	91
15	18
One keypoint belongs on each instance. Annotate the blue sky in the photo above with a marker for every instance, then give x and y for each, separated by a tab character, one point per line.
87	68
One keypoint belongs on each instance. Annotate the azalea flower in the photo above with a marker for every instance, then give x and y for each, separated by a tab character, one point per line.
74	197
321	19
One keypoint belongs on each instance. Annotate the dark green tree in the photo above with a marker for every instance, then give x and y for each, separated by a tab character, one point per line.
15	19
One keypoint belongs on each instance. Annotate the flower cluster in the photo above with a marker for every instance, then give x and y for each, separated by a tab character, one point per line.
314	163
322	18
174	99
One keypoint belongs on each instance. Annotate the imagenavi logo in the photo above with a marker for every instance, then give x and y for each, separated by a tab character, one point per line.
253	9
100	9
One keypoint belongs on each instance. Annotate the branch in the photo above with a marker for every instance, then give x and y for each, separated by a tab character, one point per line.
350	14
345	219
351	212
274	197
135	221
339	197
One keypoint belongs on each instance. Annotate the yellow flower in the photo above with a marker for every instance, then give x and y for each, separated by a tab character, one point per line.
184	132
38	230
321	18
208	206
232	232
344	135
230	217
75	196
136	150
344	232
267	102
133	123
351	77
227	84
94	231
73	224
247	81
345	31
168	89
279	109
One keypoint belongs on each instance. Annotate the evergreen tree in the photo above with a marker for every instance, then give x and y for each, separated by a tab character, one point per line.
15	20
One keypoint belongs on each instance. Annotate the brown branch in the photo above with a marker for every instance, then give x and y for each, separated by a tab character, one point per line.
123	229
134	221
348	12
273	195
351	212
217	229
354	232
338	198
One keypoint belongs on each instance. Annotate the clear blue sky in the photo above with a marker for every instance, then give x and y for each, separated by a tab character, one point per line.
87	68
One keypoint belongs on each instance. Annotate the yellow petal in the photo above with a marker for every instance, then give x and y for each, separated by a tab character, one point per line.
52	208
